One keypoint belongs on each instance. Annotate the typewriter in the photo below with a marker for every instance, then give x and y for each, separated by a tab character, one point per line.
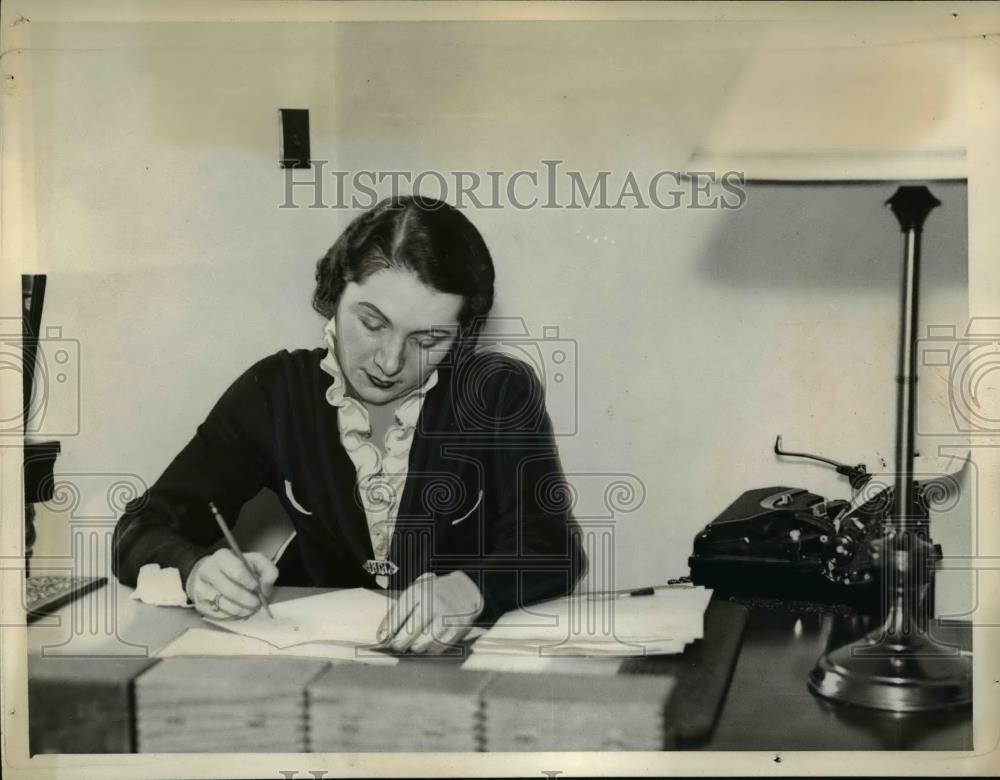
790	543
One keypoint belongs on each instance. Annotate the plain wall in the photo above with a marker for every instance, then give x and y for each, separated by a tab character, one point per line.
699	334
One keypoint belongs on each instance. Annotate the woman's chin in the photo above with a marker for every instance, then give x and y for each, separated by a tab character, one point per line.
378	399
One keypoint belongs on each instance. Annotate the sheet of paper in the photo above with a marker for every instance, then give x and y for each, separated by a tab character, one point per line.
211	642
160	587
350	616
659	623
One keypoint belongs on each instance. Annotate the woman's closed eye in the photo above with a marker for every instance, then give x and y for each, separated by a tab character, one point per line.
423	340
427	342
433	338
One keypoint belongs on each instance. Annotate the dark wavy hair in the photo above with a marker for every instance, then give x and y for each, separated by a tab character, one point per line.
429	237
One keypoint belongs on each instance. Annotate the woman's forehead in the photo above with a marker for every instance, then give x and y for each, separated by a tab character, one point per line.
404	299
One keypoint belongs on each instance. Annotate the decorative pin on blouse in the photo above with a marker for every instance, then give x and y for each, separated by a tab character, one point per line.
380	568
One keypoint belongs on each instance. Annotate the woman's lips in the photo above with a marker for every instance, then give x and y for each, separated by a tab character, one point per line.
381	384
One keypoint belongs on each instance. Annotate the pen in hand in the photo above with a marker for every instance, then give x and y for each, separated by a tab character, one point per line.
239	554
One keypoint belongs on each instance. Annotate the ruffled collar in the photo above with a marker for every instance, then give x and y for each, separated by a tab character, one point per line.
407	408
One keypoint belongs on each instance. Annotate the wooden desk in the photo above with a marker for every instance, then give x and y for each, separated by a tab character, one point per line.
768	706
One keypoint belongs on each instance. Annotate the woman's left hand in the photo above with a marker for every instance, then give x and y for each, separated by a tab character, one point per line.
432	614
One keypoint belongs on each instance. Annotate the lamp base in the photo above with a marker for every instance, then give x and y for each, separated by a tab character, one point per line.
901	675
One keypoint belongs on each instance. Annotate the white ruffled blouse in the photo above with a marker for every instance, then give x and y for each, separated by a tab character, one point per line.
381	471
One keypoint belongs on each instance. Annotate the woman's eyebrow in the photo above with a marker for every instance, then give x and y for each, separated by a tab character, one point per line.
374	310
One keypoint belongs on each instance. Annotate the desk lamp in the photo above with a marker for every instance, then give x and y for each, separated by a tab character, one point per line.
900	666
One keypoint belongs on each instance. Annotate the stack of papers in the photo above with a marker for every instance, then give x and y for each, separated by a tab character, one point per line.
602	625
224	705
425	706
605	666
549	712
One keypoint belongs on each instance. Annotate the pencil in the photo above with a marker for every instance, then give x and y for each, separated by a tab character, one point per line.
239	554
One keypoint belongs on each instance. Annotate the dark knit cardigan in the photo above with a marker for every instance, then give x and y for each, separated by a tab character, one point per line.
483	435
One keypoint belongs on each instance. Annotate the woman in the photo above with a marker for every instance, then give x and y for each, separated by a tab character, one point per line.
406	459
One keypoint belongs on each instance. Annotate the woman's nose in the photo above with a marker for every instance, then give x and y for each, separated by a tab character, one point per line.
390	357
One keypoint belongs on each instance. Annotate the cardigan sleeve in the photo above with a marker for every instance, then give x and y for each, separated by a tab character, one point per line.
534	551
227	461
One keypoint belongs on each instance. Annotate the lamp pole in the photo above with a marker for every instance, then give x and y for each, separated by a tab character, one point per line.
899	666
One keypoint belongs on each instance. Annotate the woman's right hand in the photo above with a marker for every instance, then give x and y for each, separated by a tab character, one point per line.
220	587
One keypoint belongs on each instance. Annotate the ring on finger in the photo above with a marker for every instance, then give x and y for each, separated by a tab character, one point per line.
214	603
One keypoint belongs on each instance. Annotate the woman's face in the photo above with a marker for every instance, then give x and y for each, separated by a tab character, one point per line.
392	331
